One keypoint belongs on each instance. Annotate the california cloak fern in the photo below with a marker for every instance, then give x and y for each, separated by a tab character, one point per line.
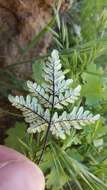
40	108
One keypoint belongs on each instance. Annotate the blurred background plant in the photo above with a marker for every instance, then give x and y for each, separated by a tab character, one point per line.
80	35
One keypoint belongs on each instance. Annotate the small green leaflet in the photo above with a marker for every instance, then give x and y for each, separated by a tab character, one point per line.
37	71
14	134
92	88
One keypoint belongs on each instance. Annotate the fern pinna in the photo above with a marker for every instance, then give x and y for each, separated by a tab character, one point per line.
40	107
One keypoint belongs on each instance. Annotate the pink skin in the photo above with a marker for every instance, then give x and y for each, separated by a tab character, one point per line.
18	173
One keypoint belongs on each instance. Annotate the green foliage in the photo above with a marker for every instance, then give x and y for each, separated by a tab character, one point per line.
68	170
18	139
37	68
93	87
9	81
95	17
14	134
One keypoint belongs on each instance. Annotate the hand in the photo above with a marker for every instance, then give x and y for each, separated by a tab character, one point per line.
18	173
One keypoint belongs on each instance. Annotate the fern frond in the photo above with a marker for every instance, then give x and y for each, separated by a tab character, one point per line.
63	86
39	108
53	74
39	92
62	124
69	97
35	127
32	111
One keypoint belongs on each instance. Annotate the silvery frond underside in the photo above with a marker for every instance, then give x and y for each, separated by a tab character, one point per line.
40	107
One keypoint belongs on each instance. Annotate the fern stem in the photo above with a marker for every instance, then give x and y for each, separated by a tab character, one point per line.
49	125
47	132
44	144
